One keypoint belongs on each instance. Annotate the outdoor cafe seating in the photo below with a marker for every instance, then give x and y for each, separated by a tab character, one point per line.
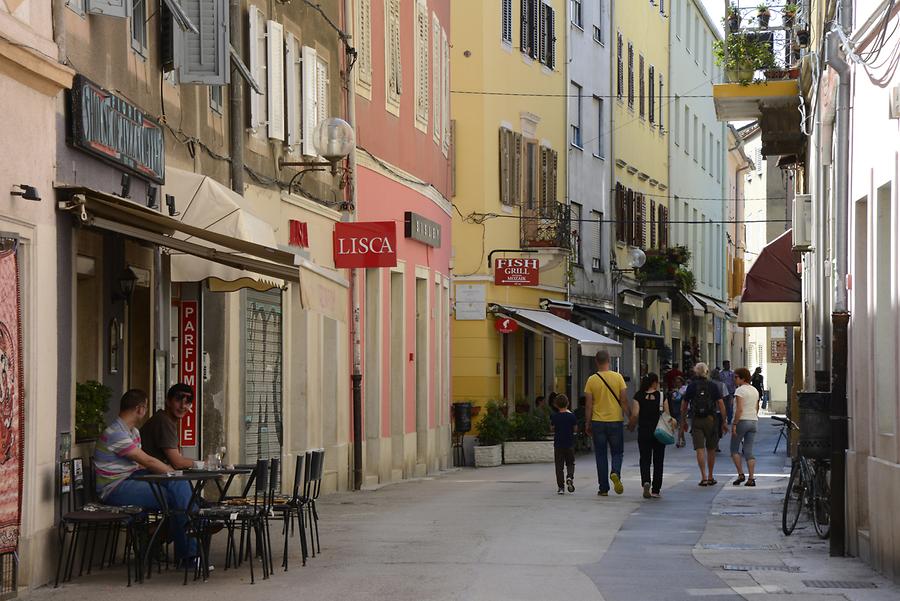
97	536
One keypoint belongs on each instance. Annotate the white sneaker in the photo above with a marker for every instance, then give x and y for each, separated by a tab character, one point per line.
560	491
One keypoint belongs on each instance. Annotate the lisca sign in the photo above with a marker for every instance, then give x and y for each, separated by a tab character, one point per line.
116	131
365	244
517	272
188	362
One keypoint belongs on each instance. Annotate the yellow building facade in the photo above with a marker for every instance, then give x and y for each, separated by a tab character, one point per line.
640	170
509	141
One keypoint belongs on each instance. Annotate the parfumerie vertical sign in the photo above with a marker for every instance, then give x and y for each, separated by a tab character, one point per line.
116	131
189	345
517	272
365	244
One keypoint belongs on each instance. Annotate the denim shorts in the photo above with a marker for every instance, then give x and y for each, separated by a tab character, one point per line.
745	433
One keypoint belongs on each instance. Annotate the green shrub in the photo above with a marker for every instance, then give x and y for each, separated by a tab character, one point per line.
493	427
529	426
91	405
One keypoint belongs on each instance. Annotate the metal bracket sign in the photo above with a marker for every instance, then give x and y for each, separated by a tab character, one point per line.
116	131
189	361
517	272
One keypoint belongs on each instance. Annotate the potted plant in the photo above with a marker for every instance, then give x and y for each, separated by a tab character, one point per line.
529	439
733	18
91	405
763	15
492	433
789	14
741	56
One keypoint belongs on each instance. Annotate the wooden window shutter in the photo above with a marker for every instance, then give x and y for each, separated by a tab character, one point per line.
544	199
641	90
551	37
629	217
652	224
309	91
275	78
421	63
293	77
552	167
534	28
516	170
202	57
542	33
504	165
524	31
663	227
639	234
620	213
620	67
651	100
364	43
506	17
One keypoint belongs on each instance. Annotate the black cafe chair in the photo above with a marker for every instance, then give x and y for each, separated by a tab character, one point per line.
290	508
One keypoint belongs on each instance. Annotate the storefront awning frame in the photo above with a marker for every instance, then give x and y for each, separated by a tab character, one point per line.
643	337
548	324
106	211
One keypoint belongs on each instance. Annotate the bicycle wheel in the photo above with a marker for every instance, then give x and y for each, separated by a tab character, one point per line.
822	501
793	500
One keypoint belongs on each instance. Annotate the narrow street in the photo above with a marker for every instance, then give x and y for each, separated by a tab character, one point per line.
503	533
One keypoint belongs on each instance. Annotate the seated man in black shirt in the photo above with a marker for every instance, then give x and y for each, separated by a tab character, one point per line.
159	435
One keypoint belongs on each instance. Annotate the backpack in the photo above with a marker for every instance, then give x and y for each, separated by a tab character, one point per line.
703	403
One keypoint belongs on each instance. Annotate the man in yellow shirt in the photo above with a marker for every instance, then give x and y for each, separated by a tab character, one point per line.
606	407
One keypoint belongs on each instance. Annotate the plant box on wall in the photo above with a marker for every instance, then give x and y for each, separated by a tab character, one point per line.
489	456
528	451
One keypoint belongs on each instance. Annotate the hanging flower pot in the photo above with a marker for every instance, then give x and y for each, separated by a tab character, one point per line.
733	18
763	18
789	16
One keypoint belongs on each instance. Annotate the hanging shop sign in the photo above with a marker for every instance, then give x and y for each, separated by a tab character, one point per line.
116	131
517	272
189	367
365	244
424	230
506	325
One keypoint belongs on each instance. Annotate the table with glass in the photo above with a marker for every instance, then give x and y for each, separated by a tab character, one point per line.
197	478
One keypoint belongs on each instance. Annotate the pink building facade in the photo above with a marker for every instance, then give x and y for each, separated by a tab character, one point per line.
402	97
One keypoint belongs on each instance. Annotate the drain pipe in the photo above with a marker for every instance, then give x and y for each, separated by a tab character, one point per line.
356	373
236	111
840	317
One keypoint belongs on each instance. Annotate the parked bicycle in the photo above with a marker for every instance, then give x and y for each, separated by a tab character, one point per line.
809	485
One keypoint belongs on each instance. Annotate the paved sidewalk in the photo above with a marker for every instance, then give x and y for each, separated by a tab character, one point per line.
504	534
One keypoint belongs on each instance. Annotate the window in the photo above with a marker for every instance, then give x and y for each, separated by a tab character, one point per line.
576	115
641	86
548	36
77	6
598	24
139	26
677	10
506	21
215	99
322	84
577	16
597	262
620	213
436	75
620	68
687	27
630	75
548	180
599	153
530	29
705	55
651	100
662	7
696	131
421	63
710	154
445	87
576	211
259	103
703	150
652	223
687	130
393	67
530	179
696	39
639	237
661	127
510	166
363	44
719	161
675	122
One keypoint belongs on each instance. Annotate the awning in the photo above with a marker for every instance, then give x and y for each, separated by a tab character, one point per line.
643	338
711	305
248	258
772	293
547	324
696	306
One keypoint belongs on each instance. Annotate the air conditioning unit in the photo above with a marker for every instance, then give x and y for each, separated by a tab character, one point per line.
802	223
894	98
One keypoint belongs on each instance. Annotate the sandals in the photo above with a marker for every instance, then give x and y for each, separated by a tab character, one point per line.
740	479
703	483
751	482
712	482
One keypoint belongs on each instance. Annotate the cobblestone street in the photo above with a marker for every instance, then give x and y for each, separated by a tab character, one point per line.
503	533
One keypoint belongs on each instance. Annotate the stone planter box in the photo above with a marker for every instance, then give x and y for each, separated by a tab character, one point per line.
489	456
531	451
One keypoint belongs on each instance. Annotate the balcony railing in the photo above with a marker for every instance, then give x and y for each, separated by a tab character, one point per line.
549	226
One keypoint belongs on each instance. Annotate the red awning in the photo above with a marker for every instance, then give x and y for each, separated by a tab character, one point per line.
772	292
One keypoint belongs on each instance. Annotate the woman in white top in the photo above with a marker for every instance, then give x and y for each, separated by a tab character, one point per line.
743	429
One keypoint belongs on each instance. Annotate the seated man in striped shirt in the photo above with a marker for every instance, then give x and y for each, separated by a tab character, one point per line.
118	456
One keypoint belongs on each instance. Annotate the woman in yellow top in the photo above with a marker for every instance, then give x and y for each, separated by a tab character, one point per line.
607	406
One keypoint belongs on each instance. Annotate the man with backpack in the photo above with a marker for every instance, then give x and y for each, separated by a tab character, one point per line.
606	406
702	398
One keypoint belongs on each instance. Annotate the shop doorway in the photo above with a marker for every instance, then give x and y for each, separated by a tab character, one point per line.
421	359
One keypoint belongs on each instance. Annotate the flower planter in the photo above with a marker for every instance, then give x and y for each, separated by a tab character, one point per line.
763	20
489	456
782	73
529	451
734	23
741	74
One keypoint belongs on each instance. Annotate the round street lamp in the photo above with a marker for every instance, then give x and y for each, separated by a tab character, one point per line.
636	258
334	139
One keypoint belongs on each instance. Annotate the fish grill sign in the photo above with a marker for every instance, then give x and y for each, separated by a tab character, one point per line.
116	131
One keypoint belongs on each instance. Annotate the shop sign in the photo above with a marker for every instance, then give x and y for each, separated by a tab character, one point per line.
517	272
506	325
116	131
424	230
365	244
189	360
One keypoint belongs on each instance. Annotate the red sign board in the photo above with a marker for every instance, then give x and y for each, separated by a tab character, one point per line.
365	244
517	272
506	325
299	234
189	361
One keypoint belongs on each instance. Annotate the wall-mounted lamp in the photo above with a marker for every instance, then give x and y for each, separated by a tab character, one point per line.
334	140
125	285
170	204
25	191
151	197
126	186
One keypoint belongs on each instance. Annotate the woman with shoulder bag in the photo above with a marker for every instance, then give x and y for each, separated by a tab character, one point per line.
647	407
